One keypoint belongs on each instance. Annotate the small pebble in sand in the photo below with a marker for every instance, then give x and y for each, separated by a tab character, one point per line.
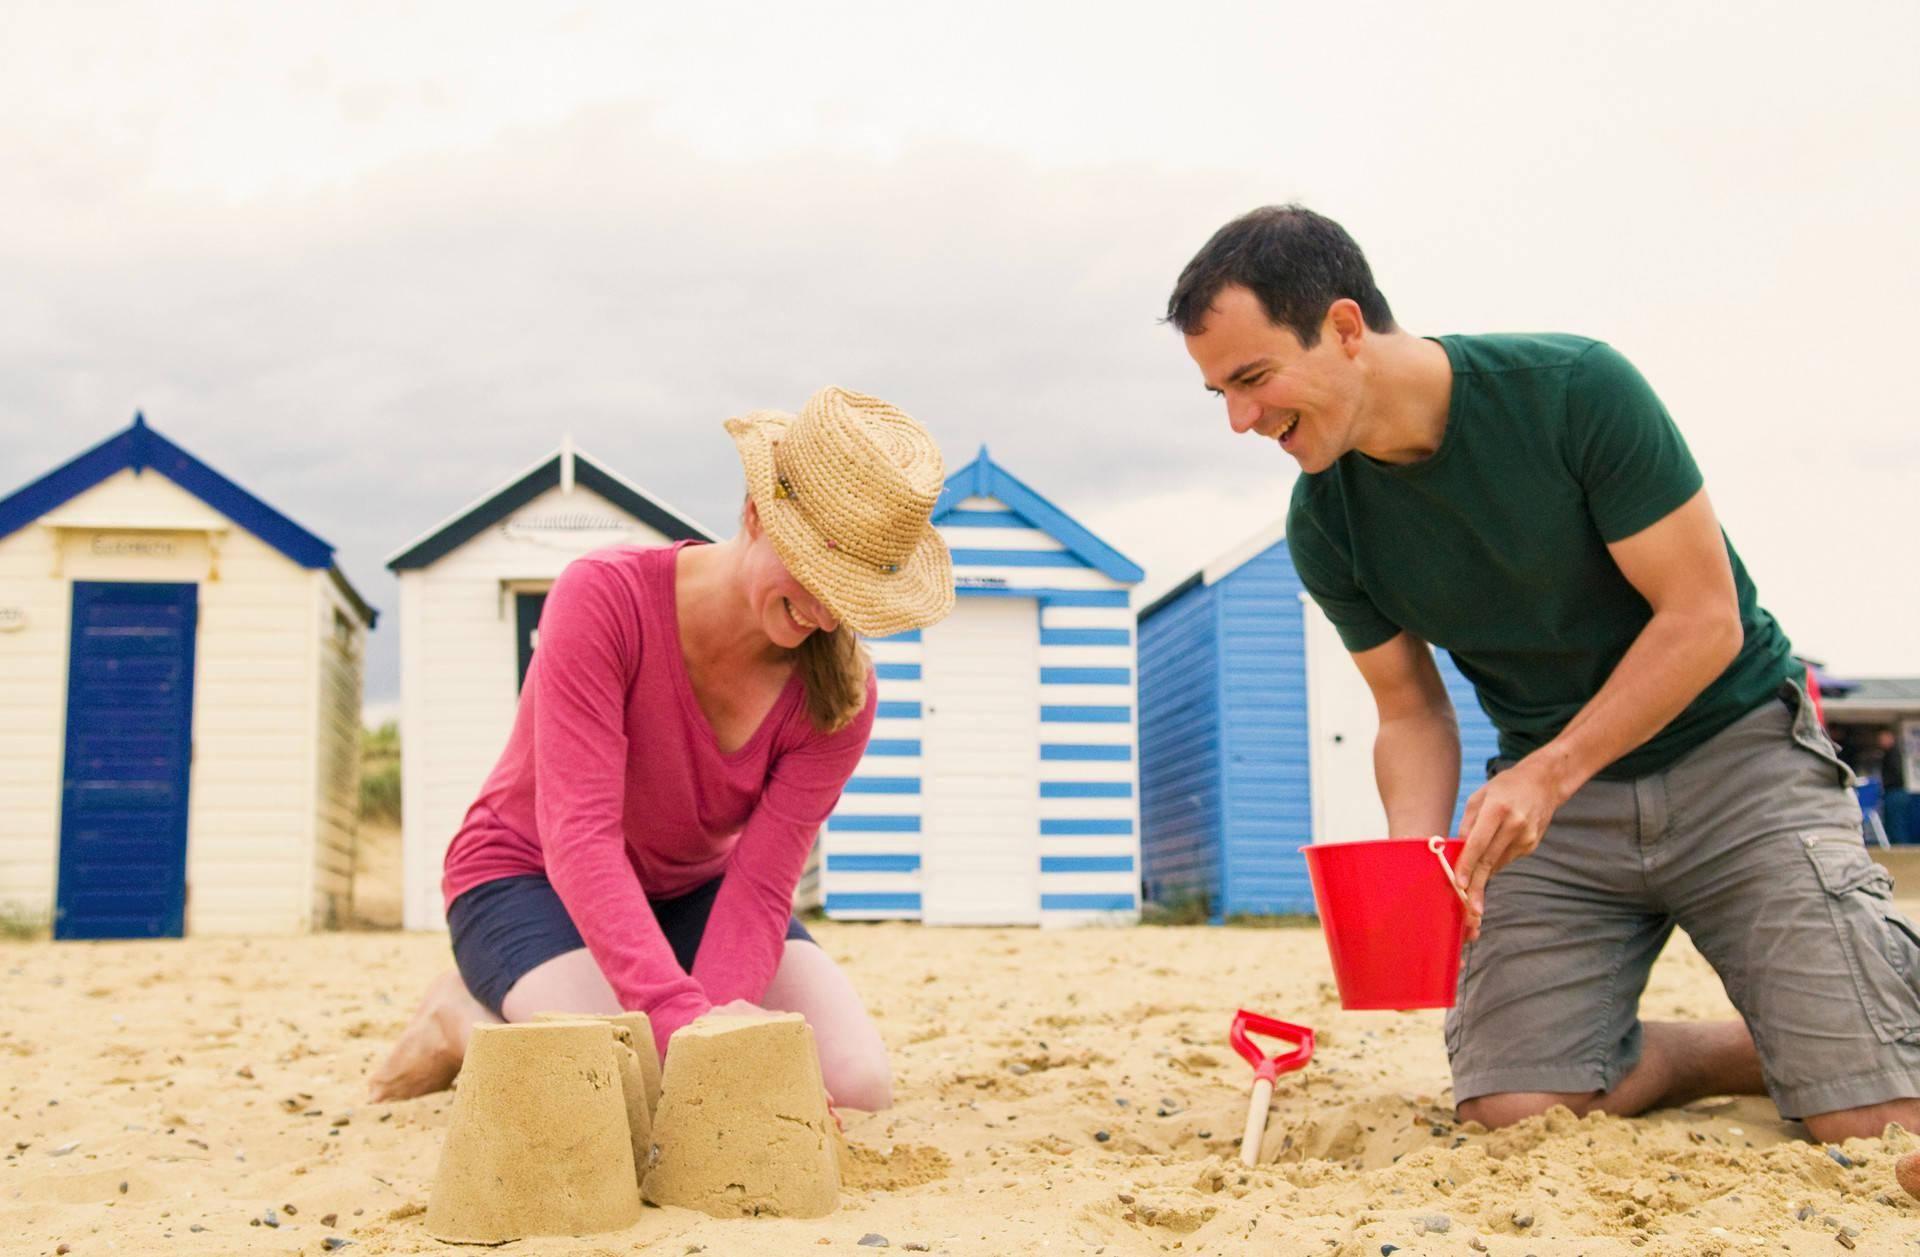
1205	1134
1019	1067
873	1239
64	1248
270	1218
1522	1220
328	1219
1907	1172
915	1246
1840	1158
1102	1136
1387	1249
290	1211
123	1187
333	1243
64	1149
1438	1223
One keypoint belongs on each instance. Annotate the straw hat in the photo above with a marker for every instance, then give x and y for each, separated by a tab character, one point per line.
846	490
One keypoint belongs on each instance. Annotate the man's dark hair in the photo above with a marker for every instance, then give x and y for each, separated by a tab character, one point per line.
1297	262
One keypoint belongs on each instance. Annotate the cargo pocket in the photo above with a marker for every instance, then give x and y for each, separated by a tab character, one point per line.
1878	945
1810	737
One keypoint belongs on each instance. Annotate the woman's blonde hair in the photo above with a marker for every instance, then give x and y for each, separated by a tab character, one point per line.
834	668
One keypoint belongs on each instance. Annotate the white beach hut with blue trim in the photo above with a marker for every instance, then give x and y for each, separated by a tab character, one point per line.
471	592
999	787
180	667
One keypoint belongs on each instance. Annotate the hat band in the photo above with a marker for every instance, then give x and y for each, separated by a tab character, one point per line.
784	491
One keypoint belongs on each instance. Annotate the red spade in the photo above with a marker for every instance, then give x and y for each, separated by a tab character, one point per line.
1266	1068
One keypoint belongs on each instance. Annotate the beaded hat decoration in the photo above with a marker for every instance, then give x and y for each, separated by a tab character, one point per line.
845	491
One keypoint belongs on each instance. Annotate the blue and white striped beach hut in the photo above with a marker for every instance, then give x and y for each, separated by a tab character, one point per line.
999	787
1256	736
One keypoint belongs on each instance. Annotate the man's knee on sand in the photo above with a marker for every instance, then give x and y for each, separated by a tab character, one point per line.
1867	1122
1508	1107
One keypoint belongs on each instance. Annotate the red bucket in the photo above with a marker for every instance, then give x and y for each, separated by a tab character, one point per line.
1393	920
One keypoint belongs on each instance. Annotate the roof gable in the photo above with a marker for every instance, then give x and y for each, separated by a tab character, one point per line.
140	448
985	478
1225	565
566	466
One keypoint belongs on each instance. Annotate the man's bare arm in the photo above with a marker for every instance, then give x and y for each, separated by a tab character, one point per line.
1416	755
1680	566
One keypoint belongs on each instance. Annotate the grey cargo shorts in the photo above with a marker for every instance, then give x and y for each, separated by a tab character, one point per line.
1751	844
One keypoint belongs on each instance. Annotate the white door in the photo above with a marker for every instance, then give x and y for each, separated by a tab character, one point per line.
1341	723
981	777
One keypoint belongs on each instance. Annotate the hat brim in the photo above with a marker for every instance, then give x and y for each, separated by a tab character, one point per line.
871	602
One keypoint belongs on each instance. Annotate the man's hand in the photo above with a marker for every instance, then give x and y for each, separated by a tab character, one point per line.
1504	820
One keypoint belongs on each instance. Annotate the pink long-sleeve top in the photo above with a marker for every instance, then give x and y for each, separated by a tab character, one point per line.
614	788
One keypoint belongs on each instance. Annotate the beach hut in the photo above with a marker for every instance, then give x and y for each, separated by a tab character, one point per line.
471	591
1256	736
999	785
180	671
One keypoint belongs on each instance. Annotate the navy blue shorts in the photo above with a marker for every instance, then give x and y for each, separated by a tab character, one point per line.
504	929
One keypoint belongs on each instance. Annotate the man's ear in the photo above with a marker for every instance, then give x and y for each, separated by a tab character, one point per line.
750	518
1346	325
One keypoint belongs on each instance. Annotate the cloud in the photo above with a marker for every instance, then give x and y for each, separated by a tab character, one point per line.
370	358
372	279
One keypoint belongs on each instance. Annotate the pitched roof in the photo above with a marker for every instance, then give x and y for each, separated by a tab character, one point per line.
985	478
1870	695
140	448
564	466
1225	565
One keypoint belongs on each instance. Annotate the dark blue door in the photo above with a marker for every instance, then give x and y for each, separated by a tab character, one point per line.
123	805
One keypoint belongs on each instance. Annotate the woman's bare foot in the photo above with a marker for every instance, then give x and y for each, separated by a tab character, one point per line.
432	1046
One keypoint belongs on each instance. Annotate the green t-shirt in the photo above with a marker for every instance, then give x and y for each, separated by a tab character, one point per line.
1495	548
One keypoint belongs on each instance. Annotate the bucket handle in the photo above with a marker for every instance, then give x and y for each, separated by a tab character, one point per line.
1438	845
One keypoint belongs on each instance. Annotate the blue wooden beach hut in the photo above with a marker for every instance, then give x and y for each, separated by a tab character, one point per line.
1256	736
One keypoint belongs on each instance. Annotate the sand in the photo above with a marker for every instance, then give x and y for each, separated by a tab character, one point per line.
206	1097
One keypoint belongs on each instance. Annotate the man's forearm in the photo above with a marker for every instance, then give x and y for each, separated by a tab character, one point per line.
1675	657
1416	761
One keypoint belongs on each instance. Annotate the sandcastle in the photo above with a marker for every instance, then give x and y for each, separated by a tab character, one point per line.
540	1141
639	1063
742	1126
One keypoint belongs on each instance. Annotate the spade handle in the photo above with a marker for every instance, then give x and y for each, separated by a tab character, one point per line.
1256	1120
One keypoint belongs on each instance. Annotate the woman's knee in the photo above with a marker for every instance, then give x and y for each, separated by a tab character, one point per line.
861	1079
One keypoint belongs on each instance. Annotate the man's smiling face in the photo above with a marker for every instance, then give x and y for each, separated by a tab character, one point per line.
1305	399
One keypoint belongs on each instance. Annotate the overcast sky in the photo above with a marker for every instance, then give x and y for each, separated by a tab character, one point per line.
370	260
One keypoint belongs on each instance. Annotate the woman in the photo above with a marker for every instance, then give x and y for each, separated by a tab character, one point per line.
689	720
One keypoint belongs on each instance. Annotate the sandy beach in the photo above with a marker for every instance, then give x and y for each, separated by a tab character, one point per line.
1067	1092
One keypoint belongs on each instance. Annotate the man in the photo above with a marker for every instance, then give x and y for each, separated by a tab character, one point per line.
1893	786
1526	503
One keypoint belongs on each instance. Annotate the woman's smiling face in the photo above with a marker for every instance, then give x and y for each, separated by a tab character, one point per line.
785	610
